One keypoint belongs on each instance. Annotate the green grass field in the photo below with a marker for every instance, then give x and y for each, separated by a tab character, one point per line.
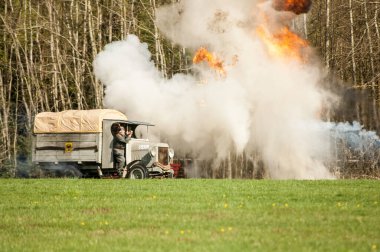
189	215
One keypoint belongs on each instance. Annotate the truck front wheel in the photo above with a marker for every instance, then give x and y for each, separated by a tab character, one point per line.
137	172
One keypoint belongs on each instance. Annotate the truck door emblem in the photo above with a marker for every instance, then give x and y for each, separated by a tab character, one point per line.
68	147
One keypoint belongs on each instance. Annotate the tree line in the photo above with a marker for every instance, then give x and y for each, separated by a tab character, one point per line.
47	48
347	37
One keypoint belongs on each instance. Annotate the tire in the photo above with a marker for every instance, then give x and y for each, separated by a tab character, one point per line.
137	172
71	171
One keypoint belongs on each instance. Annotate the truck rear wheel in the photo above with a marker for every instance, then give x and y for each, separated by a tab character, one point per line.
71	171
137	172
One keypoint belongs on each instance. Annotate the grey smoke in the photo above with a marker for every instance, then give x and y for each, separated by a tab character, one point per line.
355	137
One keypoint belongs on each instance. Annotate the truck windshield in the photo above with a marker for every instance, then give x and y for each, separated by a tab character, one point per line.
141	131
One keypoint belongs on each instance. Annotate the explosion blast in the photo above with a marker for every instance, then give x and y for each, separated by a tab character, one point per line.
268	102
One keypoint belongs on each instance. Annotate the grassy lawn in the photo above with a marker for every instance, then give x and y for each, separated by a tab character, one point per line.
189	215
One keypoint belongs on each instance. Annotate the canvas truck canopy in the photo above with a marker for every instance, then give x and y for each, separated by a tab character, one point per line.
74	121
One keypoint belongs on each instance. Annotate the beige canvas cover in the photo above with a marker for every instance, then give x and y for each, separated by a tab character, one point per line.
74	121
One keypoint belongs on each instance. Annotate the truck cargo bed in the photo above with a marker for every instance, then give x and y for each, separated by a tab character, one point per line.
54	147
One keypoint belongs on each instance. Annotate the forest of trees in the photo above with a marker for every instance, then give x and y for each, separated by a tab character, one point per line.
47	48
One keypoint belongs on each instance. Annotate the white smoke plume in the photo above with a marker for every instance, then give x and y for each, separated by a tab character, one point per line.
265	105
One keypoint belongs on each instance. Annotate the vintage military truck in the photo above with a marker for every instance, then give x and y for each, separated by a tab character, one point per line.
79	143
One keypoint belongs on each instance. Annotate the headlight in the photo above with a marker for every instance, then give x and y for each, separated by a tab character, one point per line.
153	151
171	153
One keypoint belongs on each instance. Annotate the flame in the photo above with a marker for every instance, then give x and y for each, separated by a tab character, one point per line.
295	6
203	55
283	43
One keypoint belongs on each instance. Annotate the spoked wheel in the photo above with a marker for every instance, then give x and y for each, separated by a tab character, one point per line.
137	172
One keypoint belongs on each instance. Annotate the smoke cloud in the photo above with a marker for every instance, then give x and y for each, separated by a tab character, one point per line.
264	104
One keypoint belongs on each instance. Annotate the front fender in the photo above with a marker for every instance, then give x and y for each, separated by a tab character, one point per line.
133	163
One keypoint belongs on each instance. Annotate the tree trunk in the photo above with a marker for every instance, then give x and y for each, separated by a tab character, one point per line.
376	22
327	35
353	61
305	26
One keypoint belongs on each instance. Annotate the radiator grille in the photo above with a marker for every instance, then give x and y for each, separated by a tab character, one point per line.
163	155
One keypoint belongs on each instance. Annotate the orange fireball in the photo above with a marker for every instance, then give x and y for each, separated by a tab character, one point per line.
203	55
283	43
295	6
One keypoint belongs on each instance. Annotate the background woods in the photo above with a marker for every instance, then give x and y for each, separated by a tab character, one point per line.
346	34
47	48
